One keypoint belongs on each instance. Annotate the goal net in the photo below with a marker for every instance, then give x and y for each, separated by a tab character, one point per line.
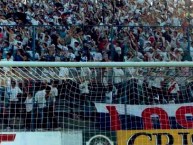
127	102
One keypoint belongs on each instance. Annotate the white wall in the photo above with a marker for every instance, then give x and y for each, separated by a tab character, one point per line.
44	138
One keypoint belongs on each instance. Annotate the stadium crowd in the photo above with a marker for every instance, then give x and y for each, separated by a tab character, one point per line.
96	30
99	30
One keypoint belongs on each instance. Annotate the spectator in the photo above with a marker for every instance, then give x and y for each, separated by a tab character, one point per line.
54	92
40	99
111	95
157	87
5	49
191	50
64	72
8	58
19	56
49	120
29	108
85	31
84	89
116	44
12	95
118	75
173	91
106	76
85	73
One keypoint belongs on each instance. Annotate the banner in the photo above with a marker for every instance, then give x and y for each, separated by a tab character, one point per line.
124	117
155	137
41	138
30	138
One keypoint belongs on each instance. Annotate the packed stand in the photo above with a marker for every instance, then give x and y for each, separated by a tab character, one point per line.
94	30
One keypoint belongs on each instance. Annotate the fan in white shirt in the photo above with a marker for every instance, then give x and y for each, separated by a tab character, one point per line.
13	92
64	72
176	21
85	72
173	87
118	75
157	82
29	103
84	90
109	97
106	77
8	58
12	95
191	50
73	43
97	56
83	87
53	92
111	94
173	90
40	98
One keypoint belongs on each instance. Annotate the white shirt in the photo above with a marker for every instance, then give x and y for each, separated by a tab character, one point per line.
13	92
72	44
29	104
53	93
173	41
84	87
34	22
40	98
85	71
63	72
105	80
175	87
131	70
7	69
118	50
176	21
97	56
191	52
157	82
118	75
140	80
109	97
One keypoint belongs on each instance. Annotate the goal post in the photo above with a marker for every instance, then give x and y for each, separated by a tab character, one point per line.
109	102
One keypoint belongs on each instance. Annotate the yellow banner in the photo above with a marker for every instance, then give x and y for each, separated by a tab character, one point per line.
155	137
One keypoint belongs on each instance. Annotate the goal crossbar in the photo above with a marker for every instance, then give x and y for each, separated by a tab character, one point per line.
95	64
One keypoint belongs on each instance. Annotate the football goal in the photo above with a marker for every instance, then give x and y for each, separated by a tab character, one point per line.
109	102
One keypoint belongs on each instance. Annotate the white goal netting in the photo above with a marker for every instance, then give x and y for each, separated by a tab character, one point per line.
96	99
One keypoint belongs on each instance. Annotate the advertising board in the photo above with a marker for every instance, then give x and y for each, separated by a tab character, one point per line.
72	138
30	138
155	137
99	138
41	138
